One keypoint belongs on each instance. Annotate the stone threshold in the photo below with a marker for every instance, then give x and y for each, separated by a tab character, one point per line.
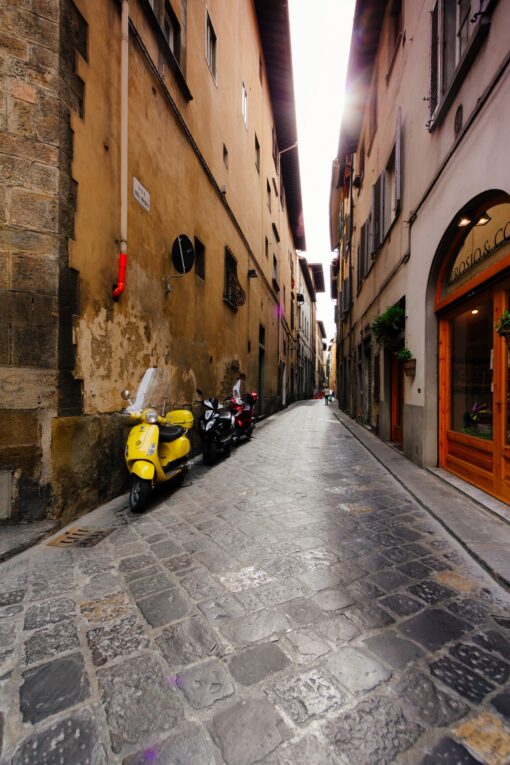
471	519
486	501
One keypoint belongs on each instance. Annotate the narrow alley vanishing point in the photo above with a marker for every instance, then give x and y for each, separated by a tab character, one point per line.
292	604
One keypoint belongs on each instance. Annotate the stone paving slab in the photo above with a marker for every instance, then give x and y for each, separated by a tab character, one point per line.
485	535
291	605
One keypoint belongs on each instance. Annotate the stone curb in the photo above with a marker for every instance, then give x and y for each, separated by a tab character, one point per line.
30	538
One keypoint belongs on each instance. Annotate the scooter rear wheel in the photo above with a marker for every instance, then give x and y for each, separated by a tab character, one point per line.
210	453
140	490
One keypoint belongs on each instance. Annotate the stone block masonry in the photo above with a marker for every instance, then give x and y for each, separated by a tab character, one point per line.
38	90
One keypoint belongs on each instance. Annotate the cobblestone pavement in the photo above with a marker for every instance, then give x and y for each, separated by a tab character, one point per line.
291	606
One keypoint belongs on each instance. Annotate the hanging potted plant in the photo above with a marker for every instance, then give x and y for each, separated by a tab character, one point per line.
503	324
388	326
409	363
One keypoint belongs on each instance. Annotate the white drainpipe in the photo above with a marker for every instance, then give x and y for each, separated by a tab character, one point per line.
124	59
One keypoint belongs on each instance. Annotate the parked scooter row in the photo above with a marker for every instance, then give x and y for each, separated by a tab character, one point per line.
158	447
223	425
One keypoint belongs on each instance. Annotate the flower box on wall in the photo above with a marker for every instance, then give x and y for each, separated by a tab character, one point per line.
410	367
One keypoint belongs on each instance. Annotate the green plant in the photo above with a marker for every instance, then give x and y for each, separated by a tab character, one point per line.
404	354
503	323
388	325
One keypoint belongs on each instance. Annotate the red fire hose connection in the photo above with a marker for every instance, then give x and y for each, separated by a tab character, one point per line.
121	278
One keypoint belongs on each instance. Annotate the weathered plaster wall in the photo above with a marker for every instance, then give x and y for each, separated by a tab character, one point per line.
192	333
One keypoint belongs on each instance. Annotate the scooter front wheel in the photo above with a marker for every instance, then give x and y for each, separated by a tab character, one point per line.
140	490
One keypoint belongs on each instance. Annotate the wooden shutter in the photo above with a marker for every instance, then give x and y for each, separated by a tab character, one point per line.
398	161
434	58
372	223
376	218
364	250
382	203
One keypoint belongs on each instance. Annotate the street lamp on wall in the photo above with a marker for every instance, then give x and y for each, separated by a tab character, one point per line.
481	220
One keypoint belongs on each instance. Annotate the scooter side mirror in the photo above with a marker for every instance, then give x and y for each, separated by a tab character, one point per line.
126	394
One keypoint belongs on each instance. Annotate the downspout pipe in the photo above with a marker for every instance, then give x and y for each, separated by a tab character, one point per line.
124	58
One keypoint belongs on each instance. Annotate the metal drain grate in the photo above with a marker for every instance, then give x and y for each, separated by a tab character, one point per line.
80	537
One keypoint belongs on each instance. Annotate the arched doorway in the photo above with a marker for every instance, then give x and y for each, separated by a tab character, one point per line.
473	290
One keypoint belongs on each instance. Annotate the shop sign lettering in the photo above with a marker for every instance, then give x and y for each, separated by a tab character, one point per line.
501	237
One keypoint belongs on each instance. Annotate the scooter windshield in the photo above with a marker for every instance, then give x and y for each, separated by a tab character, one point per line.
153	388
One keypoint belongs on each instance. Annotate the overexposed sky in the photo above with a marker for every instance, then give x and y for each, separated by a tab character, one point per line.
321	34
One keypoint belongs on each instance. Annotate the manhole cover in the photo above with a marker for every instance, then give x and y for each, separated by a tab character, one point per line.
80	537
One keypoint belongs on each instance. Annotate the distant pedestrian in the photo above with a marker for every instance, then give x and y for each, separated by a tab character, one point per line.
327	394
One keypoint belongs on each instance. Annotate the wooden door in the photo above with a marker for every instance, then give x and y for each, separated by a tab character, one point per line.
501	404
397	400
474	416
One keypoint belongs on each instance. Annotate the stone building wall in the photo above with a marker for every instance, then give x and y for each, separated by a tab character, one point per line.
38	89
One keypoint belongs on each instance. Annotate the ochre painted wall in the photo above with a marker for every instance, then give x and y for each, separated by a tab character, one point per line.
176	152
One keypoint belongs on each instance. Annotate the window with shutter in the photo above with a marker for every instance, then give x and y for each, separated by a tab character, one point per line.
448	52
210	45
233	293
366	259
455	24
172	31
387	192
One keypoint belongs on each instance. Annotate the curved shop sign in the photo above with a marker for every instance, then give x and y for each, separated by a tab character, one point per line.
481	244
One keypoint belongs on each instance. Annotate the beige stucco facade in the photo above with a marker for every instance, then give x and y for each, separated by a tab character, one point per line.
203	143
448	156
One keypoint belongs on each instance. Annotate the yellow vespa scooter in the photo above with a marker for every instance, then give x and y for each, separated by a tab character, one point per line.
157	450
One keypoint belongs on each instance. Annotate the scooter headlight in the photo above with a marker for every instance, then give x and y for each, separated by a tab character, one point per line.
151	416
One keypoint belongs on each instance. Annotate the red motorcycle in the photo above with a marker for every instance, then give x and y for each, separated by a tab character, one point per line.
243	410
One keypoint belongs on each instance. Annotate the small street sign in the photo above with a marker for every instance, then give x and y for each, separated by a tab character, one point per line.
141	195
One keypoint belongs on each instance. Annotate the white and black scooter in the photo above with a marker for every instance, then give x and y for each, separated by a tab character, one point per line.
217	426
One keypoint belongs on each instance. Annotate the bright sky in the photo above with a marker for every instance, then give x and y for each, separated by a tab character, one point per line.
321	34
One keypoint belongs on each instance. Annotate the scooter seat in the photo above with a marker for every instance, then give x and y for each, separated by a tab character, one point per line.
169	433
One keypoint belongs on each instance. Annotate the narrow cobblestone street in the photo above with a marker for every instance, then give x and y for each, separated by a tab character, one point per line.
290	605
